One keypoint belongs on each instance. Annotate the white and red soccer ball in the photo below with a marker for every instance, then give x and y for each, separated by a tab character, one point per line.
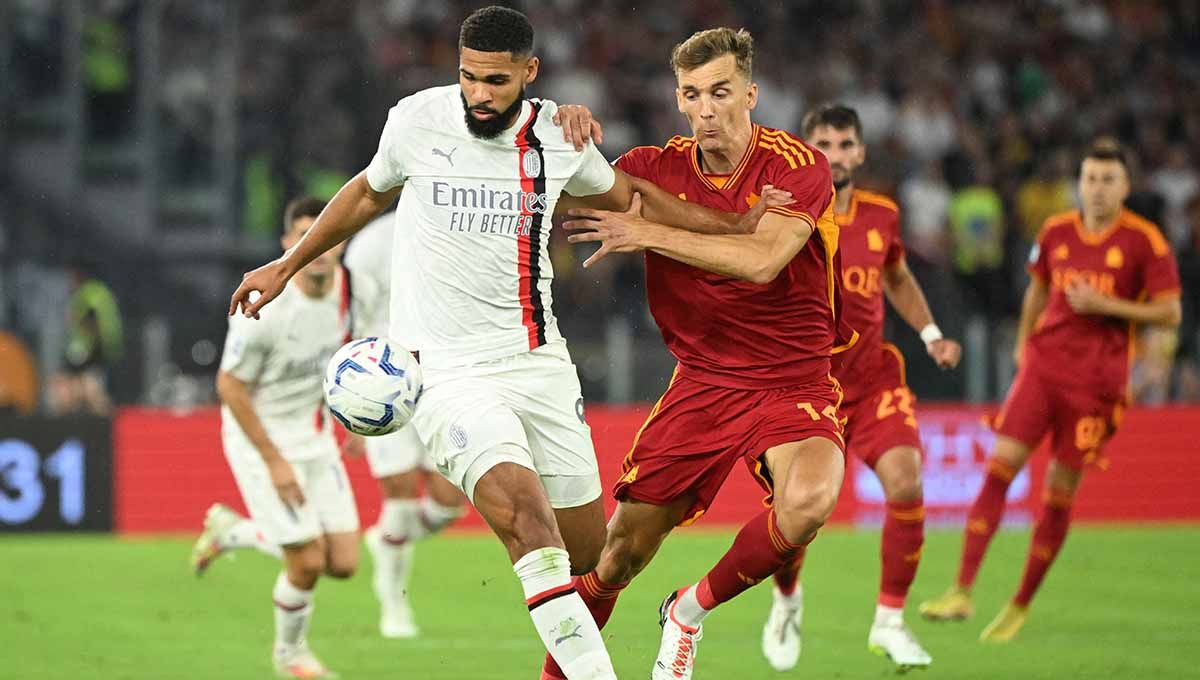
372	386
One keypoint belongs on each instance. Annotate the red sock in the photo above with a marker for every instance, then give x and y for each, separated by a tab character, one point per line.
601	599
758	551
1048	537
984	519
900	550
788	576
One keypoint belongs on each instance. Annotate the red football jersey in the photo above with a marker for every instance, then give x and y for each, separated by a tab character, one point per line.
1131	260
869	242
735	333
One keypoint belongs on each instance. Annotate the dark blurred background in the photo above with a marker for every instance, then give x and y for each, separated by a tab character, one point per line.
149	147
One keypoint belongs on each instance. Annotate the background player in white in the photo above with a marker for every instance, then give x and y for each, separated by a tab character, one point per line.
399	461
278	439
502	414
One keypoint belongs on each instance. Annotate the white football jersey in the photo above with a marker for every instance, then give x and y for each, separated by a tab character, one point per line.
472	278
282	358
369	257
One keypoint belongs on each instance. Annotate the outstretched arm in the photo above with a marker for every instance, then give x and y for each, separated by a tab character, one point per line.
659	205
756	257
907	298
355	204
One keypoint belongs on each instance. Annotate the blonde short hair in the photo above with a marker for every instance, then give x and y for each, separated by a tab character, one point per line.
705	46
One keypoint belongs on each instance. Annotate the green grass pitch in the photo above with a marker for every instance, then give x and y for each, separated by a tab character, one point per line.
1120	603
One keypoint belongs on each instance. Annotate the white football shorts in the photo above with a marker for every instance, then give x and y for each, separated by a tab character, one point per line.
531	402
397	453
328	499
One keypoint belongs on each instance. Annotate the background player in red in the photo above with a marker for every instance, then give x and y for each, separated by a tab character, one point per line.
1095	272
881	427
751	319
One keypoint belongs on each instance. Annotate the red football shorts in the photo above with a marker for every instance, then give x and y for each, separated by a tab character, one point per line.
1079	421
884	416
697	432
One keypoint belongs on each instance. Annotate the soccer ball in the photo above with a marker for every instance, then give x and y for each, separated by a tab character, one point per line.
372	386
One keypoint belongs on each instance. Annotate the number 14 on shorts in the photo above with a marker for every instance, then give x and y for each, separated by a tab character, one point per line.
830	411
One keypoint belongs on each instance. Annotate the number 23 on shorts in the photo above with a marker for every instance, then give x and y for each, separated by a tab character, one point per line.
903	398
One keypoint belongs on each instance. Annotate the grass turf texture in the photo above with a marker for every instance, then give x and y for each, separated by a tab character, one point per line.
1120	603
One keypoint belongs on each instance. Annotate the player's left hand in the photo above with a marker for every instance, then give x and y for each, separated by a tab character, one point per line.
354	446
1084	299
770	198
616	232
577	125
945	352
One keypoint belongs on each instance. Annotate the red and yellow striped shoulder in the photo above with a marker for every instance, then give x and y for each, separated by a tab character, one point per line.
795	152
1064	219
680	143
1143	226
650	148
872	198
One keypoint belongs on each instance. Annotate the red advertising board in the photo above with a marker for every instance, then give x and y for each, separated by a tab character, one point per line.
168	467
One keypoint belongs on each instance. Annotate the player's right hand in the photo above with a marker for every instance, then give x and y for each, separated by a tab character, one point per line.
616	232
283	477
268	281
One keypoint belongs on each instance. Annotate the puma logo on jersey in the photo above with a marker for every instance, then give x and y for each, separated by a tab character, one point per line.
443	154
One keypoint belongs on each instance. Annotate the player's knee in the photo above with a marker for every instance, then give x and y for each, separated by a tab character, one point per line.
905	488
1010	452
584	558
341	566
403	485
800	515
307	564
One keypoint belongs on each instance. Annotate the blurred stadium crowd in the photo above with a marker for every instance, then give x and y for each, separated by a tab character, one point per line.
974	114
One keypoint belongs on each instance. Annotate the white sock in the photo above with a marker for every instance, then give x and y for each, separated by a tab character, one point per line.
437	516
400	520
793	601
688	610
245	534
562	620
888	616
293	611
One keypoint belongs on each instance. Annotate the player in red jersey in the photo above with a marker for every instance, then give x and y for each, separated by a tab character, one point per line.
1095	273
751	319
881	427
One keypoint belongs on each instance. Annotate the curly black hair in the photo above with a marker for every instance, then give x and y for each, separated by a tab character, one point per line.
497	29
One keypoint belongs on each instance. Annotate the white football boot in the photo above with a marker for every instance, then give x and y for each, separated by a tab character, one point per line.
891	638
218	520
299	662
781	634
677	652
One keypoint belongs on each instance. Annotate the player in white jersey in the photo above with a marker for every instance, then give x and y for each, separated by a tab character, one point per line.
482	169
399	461
279	442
